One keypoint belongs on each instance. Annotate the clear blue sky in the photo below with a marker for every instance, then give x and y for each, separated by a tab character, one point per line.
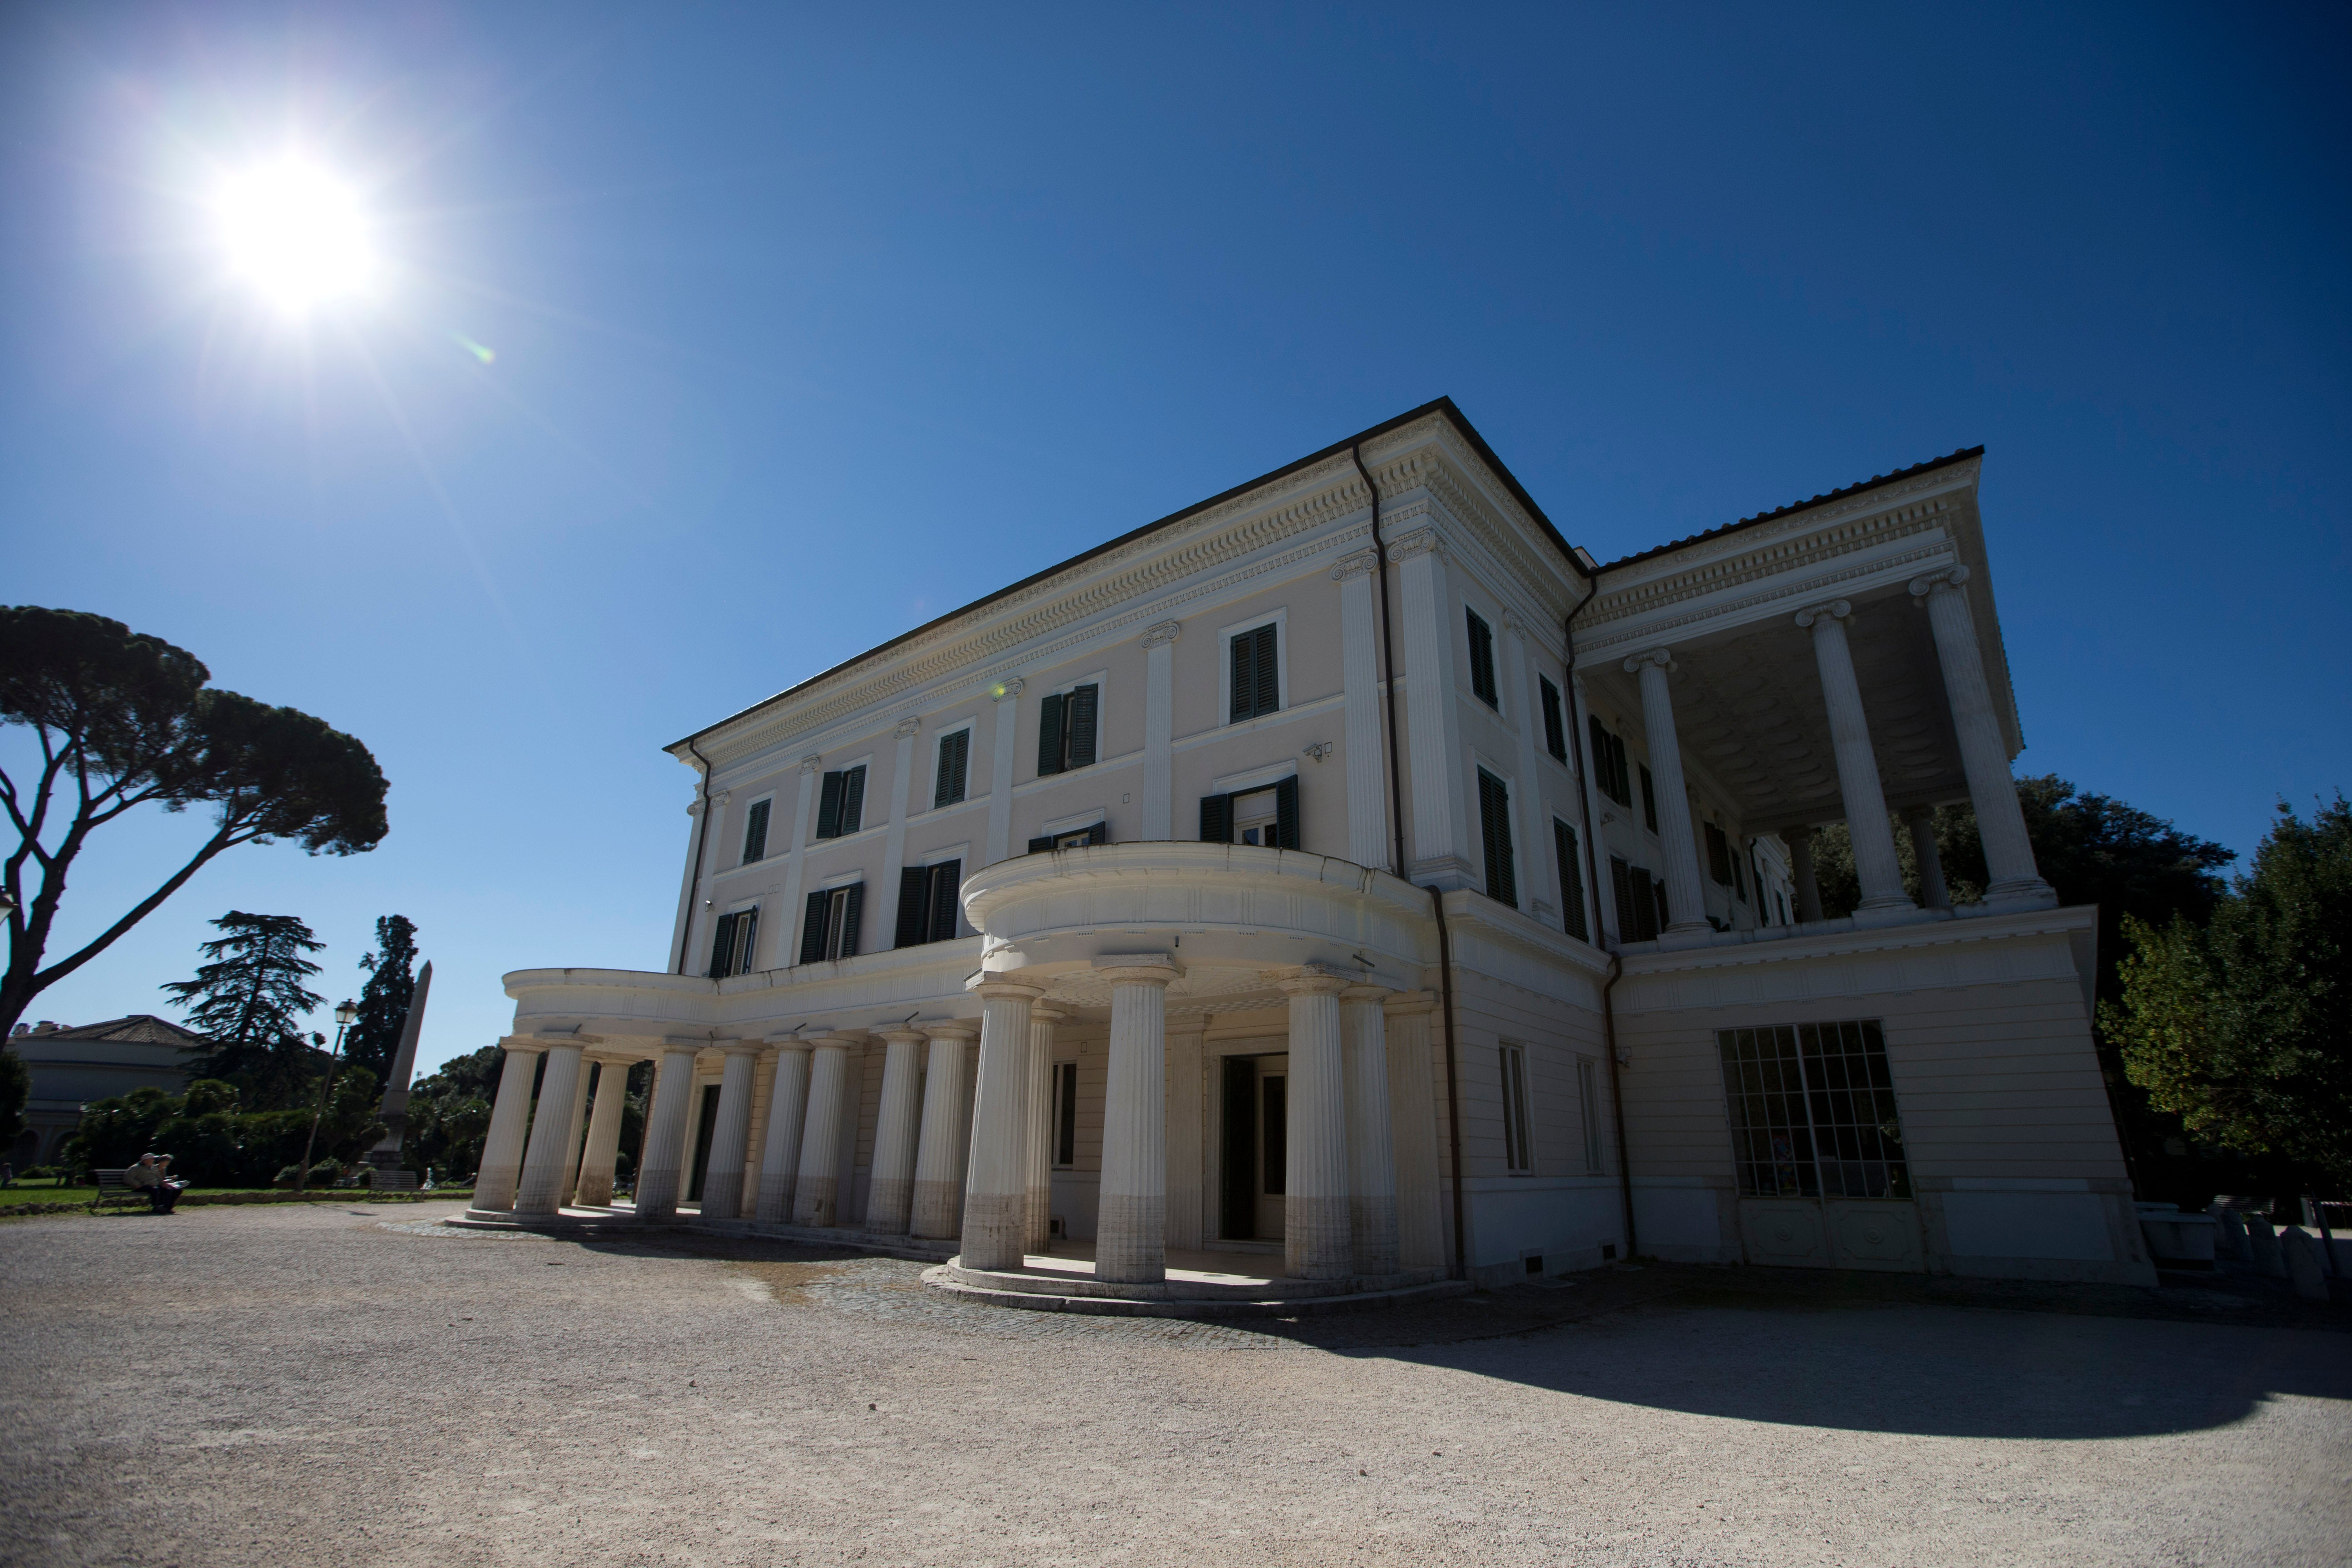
806	330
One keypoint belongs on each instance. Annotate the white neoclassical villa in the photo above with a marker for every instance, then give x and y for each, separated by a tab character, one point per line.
1347	884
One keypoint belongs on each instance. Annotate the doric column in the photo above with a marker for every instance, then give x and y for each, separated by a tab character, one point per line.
594	1189
1160	731
1686	893
1412	1115
816	1195
1371	1159
779	1160
1317	1239
1131	1224
1921	821
1359	666
1040	1209
940	1159
890	1199
579	1125
902	785
502	1168
788	920
659	1179
1984	755
1433	730
999	778
996	1189
730	1133
1874	865
1800	841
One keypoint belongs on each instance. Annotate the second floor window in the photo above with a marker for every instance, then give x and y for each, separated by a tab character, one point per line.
1719	856
1571	880
1267	817
1641	903
841	808
732	944
1518	1145
830	931
1482	662
1066	729
1555	731
926	904
955	769
1609	774
755	832
1494	832
1649	800
1257	677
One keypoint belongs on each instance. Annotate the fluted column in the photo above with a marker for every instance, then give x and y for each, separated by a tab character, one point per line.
1686	893
996	1189
1984	755
1371	1158
1874	865
891	1197
1921	821
1359	666
1431	622
779	1160
578	1126
1160	731
595	1187
1040	1208
940	1159
502	1168
722	1185
1800	841
1412	1119
1317	1240
658	1182
817	1195
1131	1224
1000	776
787	947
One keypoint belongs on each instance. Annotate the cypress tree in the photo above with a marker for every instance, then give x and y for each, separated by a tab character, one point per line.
383	1001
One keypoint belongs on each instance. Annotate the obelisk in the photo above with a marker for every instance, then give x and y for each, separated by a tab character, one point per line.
394	1113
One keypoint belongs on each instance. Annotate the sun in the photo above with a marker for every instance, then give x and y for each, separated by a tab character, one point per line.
295	234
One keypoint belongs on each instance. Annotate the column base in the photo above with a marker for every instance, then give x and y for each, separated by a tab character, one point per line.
1130	1240
890	1206
816	1202
1317	1239
935	1215
995	1228
775	1205
2035	894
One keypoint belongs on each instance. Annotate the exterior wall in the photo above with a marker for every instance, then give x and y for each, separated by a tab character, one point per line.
71	1067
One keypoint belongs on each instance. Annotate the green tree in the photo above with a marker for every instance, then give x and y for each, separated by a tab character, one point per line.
450	1114
250	1001
125	719
383	1001
2242	1027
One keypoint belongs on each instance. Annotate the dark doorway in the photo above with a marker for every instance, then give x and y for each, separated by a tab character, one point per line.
1237	1189
704	1122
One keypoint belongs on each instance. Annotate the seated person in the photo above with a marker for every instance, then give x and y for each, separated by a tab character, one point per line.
151	1176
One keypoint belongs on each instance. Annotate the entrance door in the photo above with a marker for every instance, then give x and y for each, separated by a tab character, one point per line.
1253	1145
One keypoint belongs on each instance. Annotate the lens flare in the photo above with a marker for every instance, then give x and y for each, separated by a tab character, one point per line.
296	234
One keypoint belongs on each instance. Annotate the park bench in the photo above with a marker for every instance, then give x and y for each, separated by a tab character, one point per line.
113	1190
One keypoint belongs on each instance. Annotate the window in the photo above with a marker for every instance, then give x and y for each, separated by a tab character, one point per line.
1571	880
1495	833
1718	855
841	808
1609	762
955	768
1518	1154
1066	1113
1257	677
1075	838
1812	1111
1588	1099
732	944
1268	816
755	832
1482	661
831	928
1638	900
1781	903
1066	729
1649	800
926	904
1555	731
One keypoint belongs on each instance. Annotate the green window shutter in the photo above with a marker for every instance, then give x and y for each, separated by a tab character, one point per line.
1244	677
1645	906
1039	845
1719	856
1285	812
1078	713
1649	800
828	808
1049	735
722	946
1571	880
1268	671
852	920
812	929
1555	732
1216	820
747	945
1482	660
955	767
755	834
1099	832
853	801
945	880
1665	912
1621	888
1495	829
914	895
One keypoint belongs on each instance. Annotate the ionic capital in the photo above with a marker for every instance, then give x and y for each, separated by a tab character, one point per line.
907	729
1161	634
812	765
1006	690
1942	580
1828	610
1420	541
1662	657
1362	563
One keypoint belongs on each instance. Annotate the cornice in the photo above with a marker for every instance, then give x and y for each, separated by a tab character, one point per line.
1810	588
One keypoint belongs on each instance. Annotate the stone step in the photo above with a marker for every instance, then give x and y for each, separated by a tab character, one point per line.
1188	1307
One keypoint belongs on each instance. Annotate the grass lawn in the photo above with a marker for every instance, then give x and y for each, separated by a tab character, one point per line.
25	1193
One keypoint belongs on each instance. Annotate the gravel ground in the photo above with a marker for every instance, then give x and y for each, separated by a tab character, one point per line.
335	1384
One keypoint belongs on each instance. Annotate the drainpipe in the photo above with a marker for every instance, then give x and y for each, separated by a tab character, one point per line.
1453	1090
1616	959
694	883
1388	668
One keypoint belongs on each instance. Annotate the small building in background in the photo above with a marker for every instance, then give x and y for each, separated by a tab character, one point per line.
73	1066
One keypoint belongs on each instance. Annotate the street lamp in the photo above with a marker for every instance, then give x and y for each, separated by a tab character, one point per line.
344	1013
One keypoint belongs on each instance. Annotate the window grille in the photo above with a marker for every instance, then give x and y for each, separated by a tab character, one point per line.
1482	661
755	832
1495	831
1555	731
1812	1111
1257	677
1519	1153
1588	1098
955	769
